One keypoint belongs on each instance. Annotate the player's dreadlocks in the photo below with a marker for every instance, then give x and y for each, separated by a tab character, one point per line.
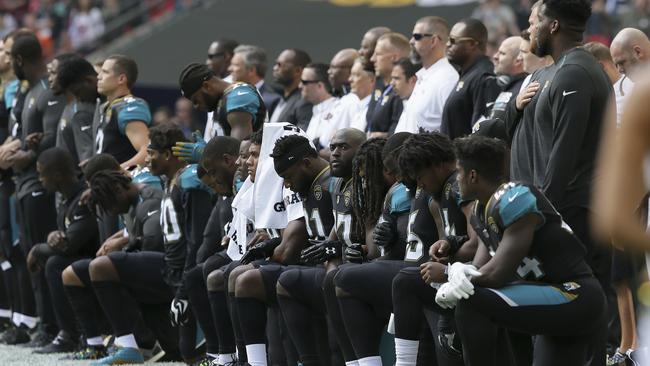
103	186
424	150
369	191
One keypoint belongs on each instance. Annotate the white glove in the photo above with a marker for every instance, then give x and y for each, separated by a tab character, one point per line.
460	275
448	295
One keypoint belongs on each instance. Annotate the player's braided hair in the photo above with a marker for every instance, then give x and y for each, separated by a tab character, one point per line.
424	150
104	185
368	192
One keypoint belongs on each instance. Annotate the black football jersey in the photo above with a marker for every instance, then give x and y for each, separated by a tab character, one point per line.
556	254
453	219
318	207
110	137
342	196
422	230
241	97
172	220
396	208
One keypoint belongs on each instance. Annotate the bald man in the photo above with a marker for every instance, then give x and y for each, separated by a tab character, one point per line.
369	41
339	71
630	52
509	68
477	85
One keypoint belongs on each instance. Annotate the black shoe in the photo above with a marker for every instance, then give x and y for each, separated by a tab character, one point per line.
15	336
63	343
40	339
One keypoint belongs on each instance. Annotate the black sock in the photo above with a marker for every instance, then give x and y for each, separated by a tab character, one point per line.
222	321
110	295
364	328
60	304
197	293
252	318
335	317
83	303
306	339
236	327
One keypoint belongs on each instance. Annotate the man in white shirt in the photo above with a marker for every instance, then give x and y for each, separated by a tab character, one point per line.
316	89
630	51
248	65
403	79
362	83
436	79
339	75
220	53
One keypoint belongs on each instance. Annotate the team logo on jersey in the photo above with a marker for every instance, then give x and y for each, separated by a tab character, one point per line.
63	123
447	191
328	117
418	191
24	86
570	286
492	224
318	192
347	197
383	101
377	94
31	103
460	85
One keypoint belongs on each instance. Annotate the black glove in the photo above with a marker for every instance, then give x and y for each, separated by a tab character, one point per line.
321	252
260	250
384	235
354	253
179	312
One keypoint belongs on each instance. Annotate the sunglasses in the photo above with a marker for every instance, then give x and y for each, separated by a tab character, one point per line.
214	55
453	41
419	36
307	82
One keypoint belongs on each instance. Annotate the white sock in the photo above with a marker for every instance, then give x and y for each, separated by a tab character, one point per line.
352	363
95	341
370	361
5	313
15	318
126	341
256	354
29	321
406	352
224	359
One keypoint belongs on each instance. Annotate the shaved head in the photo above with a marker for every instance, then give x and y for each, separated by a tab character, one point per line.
340	67
351	135
506	60
369	41
344	146
630	51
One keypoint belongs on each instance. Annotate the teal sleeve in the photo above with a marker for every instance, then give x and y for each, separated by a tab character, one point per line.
517	202
400	201
189	180
10	93
136	110
244	99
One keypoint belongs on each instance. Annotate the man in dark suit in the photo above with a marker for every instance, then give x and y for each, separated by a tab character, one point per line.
249	65
287	71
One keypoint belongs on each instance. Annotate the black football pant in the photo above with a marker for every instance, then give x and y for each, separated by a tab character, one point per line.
37	218
568	321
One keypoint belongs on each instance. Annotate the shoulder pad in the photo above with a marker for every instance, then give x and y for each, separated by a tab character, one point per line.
144	176
513	201
399	200
189	179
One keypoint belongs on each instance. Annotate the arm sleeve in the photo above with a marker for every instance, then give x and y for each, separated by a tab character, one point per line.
136	110
51	117
515	204
486	91
82	131
570	121
82	230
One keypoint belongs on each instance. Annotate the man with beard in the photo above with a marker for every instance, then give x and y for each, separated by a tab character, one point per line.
436	78
238	108
287	72
477	85
568	122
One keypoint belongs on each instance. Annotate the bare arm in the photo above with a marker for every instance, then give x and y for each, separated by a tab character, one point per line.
294	238
241	124
138	134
